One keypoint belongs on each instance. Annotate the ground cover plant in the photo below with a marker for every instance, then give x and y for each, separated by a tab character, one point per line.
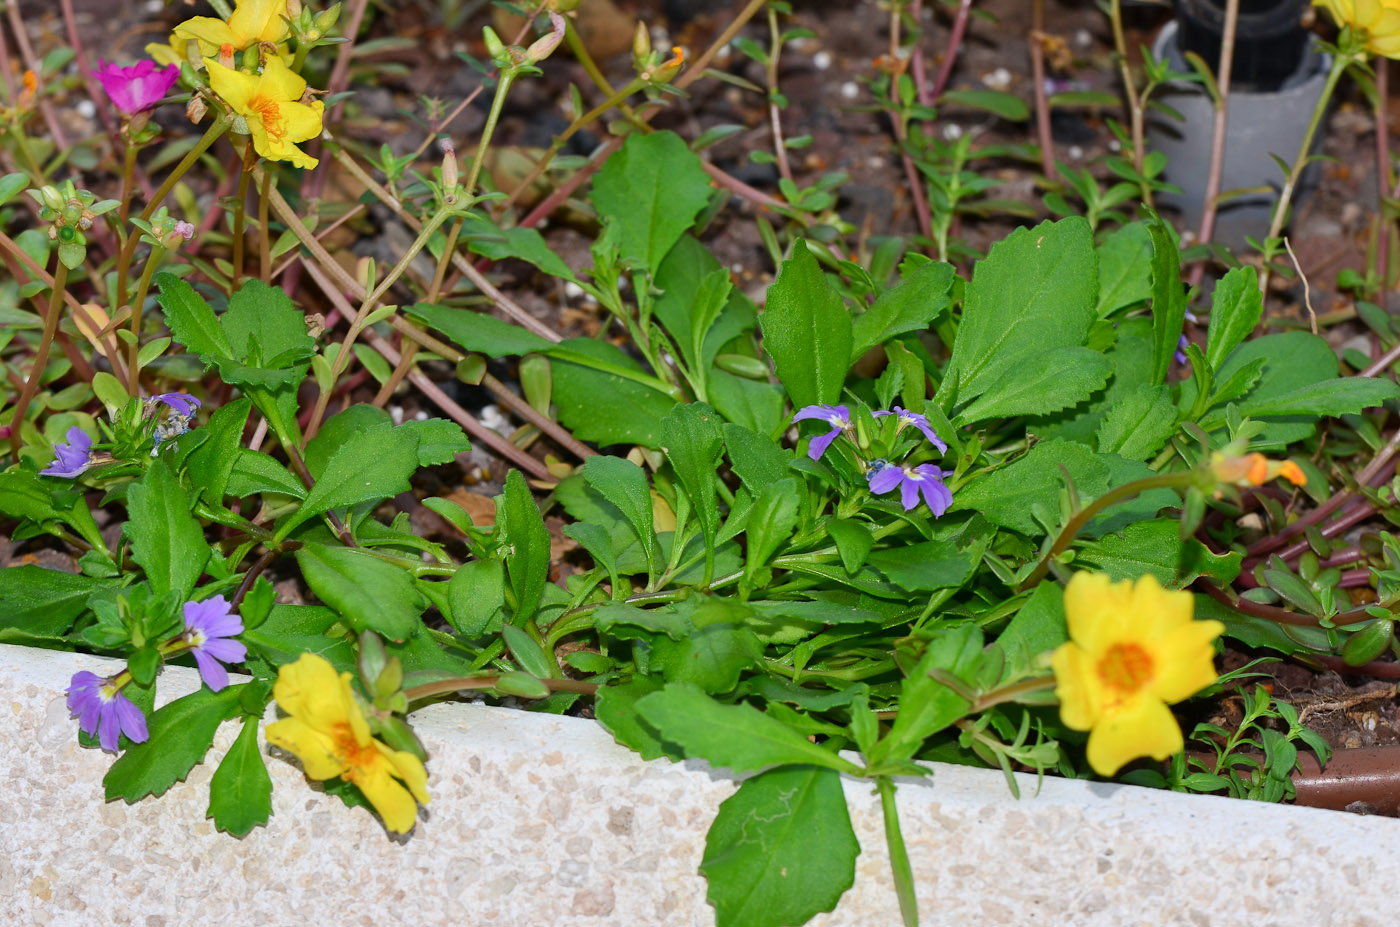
918	499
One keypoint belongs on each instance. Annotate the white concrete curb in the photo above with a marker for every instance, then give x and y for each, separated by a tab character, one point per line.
538	821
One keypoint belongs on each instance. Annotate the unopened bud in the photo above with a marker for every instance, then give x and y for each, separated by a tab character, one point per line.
641	41
326	19
449	166
547	43
495	47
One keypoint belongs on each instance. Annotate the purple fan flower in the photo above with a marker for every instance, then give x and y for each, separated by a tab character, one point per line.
137	88
918	421
209	625
924	480
838	417
73	458
103	711
180	403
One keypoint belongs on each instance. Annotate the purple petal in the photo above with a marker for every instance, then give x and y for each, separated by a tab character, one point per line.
212	617
133	722
181	403
221	648
921	423
885	480
212	671
909	492
820	443
73	458
109	728
938	496
836	415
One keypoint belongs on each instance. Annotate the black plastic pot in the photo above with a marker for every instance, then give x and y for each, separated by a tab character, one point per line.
1270	40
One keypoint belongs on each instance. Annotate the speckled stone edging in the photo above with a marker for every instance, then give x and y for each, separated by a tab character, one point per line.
539	821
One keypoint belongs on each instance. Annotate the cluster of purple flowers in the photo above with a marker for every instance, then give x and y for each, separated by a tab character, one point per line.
924	481
103	712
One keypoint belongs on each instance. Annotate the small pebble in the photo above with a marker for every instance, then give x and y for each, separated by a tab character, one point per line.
86	108
1115	145
952	131
420	416
1075	152
821	60
1083	38
572	290
999	79
155	6
850	90
396	413
875	163
492	418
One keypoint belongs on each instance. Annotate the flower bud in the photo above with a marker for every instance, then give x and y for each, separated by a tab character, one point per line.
641	42
495	47
325	20
542	47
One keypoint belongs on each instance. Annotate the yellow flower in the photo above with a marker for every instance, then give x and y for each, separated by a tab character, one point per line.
270	104
1377	22
253	21
329	734
1133	649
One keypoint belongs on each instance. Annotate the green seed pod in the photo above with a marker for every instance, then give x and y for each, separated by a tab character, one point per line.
66	234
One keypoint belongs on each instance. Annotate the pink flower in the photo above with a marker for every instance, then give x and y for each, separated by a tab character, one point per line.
137	88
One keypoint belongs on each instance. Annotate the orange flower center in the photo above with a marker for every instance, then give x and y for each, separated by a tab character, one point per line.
355	757
1125	668
271	116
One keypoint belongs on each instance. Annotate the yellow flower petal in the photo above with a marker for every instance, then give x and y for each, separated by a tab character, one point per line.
388	796
1076	686
315	750
211	34
259	21
164	55
234	87
1145	728
279	82
1186	661
408	768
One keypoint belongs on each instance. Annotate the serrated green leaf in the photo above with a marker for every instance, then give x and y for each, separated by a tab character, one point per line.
781	849
1235	309
1041	384
1007	496
165	538
192	322
439	440
711	657
650	191
367	592
693	441
807	331
927	706
910	306
211	464
240	792
1033	293
43	603
180	735
1168	299
738	737
254	472
1341	396
371	465
1139	423
1156	547
624	484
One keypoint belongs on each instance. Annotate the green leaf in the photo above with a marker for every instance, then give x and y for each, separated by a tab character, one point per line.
254	472
165	538
1235	309
181	733
1341	396
739	737
693	442
43	603
11	185
1139	423
475	595
1037	628
624	484
1033	293
527	652
1006	105
711	657
616	709
1042	383
781	849
853	542
24	495
479	332
1125	269
192	323
756	460
439	440
597	405
924	567
211	464
371	465
910	306
755	405
367	592
523	531
489	240
291	630
264	329
927	706
1156	547
692	310
650	191
770	526
240	793
1168	300
1008	496
807	331
337	430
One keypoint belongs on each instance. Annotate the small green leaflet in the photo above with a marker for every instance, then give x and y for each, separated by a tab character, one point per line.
181	733
240	793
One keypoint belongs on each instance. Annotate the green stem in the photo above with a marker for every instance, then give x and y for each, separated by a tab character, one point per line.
41	356
133	357
1112	497
124	259
899	857
1120	46
497	103
448	686
239	212
264	234
128	186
